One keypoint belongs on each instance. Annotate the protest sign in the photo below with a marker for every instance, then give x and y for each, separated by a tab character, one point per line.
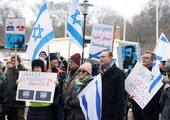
15	33
141	84
101	39
36	86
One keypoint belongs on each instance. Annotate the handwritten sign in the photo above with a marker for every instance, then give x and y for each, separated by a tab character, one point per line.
138	83
101	39
36	86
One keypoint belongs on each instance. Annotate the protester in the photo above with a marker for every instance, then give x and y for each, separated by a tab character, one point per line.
58	113
3	99
8	65
72	75
95	67
113	90
165	96
152	109
16	108
85	76
39	110
162	66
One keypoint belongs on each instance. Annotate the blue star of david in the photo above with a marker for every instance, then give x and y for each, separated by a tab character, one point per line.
152	76
37	32
74	17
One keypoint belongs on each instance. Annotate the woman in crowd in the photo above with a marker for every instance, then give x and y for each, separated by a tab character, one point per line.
39	110
78	85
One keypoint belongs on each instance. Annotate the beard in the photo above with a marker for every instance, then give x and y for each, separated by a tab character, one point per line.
128	60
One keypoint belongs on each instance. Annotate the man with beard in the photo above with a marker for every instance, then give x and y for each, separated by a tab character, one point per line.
130	60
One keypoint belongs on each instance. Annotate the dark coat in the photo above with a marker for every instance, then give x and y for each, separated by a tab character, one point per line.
165	100
3	99
40	113
12	76
113	92
76	112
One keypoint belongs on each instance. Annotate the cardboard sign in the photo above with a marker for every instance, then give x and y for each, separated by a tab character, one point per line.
15	33
36	86
141	84
101	39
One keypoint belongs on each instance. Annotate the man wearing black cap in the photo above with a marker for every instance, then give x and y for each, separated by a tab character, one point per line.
16	108
74	63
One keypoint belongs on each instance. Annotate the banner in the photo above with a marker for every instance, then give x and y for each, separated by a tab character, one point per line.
15	33
142	84
101	39
128	55
36	86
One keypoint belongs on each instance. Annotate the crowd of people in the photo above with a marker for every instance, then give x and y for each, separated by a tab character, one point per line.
72	77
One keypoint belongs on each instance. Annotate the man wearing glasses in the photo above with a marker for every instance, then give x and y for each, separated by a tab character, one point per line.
152	109
74	63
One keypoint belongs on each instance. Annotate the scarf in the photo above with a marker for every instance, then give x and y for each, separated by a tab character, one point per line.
102	70
81	82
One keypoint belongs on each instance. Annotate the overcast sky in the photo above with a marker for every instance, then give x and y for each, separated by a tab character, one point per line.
126	8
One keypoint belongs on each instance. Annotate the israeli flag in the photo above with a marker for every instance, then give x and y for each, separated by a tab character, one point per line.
74	28
162	48
91	99
156	77
42	34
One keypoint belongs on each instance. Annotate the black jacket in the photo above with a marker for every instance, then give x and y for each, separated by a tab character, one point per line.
113	92
12	76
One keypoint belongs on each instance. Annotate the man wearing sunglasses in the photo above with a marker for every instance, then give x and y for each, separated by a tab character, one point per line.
152	109
113	90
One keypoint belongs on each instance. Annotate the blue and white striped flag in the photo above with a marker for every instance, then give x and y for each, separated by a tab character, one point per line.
162	48
74	28
42	34
91	99
156	77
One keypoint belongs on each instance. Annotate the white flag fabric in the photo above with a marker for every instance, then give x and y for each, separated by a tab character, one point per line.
42	34
74	28
156	77
91	99
162	48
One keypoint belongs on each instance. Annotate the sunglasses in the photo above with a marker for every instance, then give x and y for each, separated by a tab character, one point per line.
81	71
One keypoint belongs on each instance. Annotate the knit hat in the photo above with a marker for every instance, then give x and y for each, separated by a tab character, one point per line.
53	56
8	61
87	66
43	52
38	62
76	58
91	61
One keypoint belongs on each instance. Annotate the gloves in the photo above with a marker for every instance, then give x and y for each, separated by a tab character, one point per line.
71	103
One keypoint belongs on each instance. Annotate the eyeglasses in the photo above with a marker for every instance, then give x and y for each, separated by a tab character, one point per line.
81	71
145	58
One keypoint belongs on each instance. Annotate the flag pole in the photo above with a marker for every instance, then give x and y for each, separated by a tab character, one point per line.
49	65
16	58
124	30
69	46
157	24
